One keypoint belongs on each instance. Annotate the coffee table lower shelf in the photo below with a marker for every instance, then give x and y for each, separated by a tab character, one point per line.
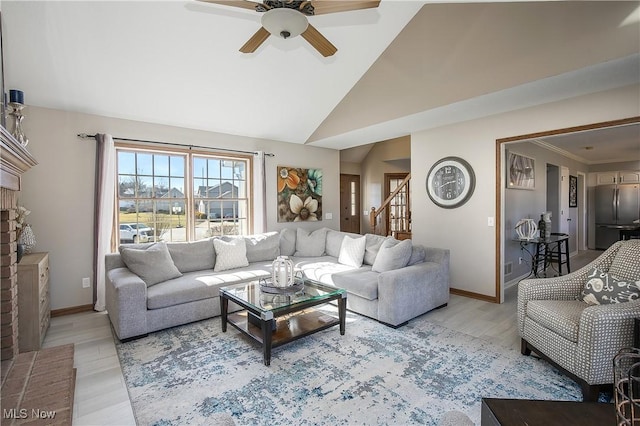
288	328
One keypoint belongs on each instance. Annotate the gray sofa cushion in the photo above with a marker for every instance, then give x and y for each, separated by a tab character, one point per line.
153	264
374	242
560	316
392	255
310	243
262	246
334	241
287	242
193	255
320	268
199	285
361	282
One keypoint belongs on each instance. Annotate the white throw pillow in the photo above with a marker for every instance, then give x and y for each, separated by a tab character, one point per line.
352	251
392	255
153	264
230	254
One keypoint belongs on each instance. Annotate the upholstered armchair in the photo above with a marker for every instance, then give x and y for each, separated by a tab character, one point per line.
579	338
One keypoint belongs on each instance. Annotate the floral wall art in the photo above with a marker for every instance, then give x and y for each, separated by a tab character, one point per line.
299	194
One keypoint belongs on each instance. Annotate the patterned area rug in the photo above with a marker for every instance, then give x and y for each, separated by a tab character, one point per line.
371	375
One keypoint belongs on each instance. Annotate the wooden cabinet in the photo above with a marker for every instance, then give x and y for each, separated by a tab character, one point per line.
625	176
34	310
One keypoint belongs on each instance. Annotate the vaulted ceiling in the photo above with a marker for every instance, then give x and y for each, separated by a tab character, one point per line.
402	67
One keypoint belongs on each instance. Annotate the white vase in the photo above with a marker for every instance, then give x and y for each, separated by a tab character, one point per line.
27	239
282	272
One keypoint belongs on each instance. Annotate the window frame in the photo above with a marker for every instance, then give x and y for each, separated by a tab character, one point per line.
189	187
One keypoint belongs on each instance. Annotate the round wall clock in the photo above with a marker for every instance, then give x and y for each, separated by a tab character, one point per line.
450	182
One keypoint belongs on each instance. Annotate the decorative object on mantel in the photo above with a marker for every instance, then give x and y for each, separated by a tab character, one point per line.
24	233
526	229
299	194
16	102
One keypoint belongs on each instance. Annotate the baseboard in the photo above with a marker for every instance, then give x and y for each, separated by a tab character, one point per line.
72	310
473	295
515	281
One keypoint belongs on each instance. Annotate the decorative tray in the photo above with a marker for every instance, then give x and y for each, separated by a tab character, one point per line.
266	286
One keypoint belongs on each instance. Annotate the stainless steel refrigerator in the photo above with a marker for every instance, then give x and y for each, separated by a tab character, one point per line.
617	207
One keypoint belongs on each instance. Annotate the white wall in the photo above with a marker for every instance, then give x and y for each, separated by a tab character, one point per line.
464	230
60	189
385	157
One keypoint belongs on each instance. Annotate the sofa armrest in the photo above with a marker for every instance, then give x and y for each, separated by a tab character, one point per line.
437	255
126	299
113	261
405	293
603	331
565	287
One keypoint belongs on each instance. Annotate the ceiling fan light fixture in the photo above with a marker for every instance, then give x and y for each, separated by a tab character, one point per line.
285	23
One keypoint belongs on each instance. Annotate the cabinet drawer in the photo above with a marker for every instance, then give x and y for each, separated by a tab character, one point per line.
43	273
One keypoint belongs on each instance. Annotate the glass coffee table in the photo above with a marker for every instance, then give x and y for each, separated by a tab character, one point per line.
273	319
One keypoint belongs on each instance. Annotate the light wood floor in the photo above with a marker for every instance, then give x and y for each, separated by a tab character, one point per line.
101	396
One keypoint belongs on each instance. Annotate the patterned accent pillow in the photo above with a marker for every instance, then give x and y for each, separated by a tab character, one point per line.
153	264
230	254
603	288
352	251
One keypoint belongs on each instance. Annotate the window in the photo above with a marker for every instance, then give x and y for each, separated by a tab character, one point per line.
180	196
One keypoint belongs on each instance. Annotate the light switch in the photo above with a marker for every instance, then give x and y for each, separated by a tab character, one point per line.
328	216
490	221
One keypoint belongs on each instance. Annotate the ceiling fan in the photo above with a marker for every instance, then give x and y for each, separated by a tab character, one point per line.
288	18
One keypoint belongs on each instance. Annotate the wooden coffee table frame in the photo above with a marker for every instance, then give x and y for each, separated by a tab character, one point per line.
305	319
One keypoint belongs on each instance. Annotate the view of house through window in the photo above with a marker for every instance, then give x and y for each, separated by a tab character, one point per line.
180	196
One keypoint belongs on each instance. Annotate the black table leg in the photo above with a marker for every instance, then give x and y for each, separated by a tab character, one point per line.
267	329
566	253
224	308
342	314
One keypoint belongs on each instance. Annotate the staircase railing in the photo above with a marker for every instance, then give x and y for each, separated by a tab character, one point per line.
382	212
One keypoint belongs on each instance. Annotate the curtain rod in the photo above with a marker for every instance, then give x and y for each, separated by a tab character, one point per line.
86	136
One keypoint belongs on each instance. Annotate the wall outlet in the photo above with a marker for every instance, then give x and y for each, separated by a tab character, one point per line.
86	282
519	261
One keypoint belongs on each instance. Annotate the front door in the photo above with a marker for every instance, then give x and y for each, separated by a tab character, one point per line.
350	203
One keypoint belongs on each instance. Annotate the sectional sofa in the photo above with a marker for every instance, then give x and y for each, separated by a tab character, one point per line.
154	286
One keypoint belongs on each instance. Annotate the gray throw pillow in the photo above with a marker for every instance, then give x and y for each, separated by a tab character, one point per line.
153	264
602	288
418	254
374	242
193	256
310	244
262	247
393	254
287	242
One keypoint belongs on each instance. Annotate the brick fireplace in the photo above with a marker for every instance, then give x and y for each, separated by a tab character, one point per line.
14	161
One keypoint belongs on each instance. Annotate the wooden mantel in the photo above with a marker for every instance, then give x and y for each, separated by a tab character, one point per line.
15	160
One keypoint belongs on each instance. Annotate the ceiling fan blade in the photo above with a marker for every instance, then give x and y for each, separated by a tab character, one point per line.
255	41
322	7
244	4
318	41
